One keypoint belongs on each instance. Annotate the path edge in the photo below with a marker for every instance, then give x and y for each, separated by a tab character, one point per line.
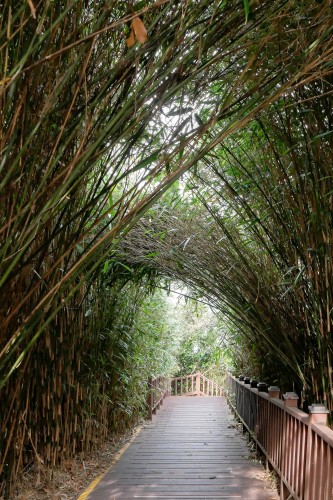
94	483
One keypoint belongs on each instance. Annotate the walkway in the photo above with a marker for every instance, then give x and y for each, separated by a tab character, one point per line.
191	450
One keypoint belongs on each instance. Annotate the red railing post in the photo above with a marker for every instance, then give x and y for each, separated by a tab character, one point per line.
163	388
291	399
317	415
150	399
274	391
198	375
157	394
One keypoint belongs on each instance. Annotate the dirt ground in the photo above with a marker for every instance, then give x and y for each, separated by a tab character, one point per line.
70	479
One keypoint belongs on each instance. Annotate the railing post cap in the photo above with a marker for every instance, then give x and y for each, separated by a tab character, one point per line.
318	409
290	395
262	387
247	380
274	391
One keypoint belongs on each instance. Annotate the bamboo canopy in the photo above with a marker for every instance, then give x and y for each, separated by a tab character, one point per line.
103	106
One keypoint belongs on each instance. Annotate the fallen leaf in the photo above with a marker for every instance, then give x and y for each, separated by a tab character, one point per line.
139	30
130	41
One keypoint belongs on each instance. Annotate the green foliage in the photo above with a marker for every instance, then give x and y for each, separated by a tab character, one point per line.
200	345
159	340
247	9
93	134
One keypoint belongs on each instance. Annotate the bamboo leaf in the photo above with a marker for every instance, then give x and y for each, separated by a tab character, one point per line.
150	159
247	9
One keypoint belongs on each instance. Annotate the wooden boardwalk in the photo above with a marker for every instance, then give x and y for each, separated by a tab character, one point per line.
190	450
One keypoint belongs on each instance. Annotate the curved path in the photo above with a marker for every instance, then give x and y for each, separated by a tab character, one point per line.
191	450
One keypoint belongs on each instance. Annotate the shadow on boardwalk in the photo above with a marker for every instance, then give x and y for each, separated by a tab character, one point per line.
190	450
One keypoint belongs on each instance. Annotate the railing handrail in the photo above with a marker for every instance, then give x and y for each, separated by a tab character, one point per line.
299	446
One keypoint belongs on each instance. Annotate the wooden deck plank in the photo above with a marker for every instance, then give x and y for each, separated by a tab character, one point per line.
191	450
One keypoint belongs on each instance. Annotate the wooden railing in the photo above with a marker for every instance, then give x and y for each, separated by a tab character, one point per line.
189	385
297	445
158	389
195	385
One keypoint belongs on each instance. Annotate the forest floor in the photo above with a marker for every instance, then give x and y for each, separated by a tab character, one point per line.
68	481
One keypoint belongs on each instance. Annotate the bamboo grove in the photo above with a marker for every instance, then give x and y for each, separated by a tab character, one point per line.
256	240
95	130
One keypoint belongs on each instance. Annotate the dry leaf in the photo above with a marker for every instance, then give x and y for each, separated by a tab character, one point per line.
139	30
130	41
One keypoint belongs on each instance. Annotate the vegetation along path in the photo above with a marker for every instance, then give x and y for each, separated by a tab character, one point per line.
148	147
190	450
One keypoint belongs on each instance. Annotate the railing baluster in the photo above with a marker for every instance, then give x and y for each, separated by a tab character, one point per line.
195	384
329	484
